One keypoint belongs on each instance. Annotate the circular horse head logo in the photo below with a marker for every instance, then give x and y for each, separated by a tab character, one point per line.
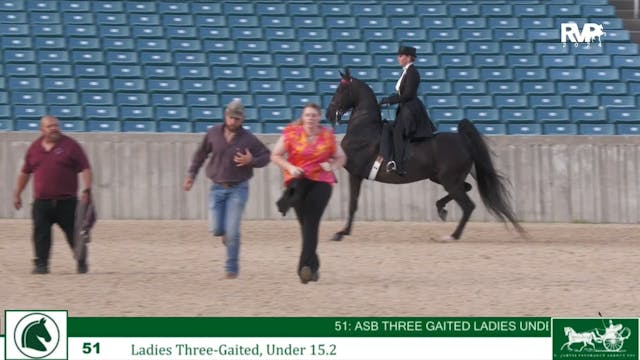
36	335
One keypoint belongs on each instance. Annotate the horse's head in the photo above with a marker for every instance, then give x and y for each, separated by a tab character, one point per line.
342	100
41	330
567	331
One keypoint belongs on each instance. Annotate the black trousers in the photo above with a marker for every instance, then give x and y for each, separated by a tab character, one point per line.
45	213
309	210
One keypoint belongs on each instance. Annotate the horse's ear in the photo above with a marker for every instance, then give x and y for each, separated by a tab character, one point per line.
341	74
347	74
43	320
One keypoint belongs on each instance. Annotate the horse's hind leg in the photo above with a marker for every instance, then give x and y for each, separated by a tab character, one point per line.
441	203
459	194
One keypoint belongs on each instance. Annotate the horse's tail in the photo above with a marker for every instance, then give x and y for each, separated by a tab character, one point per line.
491	184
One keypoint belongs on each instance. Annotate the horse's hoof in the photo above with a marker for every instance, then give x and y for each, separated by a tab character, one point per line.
442	213
337	237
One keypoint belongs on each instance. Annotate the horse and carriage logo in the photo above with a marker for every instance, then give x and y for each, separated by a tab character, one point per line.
36	335
602	341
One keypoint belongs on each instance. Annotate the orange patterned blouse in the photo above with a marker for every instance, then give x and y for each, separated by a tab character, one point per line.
308	156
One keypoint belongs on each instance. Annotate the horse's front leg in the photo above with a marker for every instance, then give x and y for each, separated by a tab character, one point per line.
355	184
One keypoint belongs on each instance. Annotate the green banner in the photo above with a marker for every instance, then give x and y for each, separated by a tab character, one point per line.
309	327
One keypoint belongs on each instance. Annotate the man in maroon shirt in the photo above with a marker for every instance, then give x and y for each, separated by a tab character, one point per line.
55	161
234	153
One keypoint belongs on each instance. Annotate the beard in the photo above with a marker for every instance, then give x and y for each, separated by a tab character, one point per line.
54	136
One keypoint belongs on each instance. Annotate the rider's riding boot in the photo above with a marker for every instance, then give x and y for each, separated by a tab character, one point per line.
400	170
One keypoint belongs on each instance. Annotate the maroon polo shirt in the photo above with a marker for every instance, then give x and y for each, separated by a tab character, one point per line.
55	172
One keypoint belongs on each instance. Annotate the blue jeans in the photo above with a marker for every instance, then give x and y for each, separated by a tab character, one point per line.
226	206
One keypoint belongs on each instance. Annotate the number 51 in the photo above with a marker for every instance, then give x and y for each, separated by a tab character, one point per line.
86	348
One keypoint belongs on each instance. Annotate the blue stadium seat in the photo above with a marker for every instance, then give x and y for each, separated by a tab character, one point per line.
70	6
182	33
552	48
588	115
469	87
404	22
232	85
15	29
27	125
476	34
271	100
141	7
134	99
103	126
566	74
504	23
627	129
489	60
492	128
600	88
109	44
4	98
20	56
166	100
6	125
620	61
159	71
136	112
596	129
517	115
128	85
53	70
530	10
290	59
202	100
453	74
250	59
246	99
299	87
17	42
444	35
329	73
171	113
616	115
61	98
314	60
586	61
528	128
265	86
534	74
33	83
84	57
429	10
259	72
552	115
546	101
559	129
287	46
298	73
618	101
510	34
72	125
203	126
190	58
48	83
81	70
101	112
538	87
66	112
496	74
573	87
480	47
197	85
122	57
139	126
108	6
477	101
440	101
562	61
510	101
201	72
495	10
274	127
446	114
602	74
301	100
581	101
117	71
102	19
436	87
275	114
630	74
482	114
56	42
206	114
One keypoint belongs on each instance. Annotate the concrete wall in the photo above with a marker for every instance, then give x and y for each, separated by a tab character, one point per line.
554	179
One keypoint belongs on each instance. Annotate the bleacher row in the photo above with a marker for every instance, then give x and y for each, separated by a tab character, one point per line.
172	66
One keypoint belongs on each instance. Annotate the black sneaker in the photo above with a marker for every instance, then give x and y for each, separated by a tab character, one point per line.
83	268
305	274
315	276
40	269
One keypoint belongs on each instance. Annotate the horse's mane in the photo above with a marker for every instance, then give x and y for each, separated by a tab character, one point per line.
367	100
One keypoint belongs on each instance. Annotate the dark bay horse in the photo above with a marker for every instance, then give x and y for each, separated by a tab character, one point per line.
445	159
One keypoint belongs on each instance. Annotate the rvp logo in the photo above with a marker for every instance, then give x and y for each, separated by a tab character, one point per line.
587	36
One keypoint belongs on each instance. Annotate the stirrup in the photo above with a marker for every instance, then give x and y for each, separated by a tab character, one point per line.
391	166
